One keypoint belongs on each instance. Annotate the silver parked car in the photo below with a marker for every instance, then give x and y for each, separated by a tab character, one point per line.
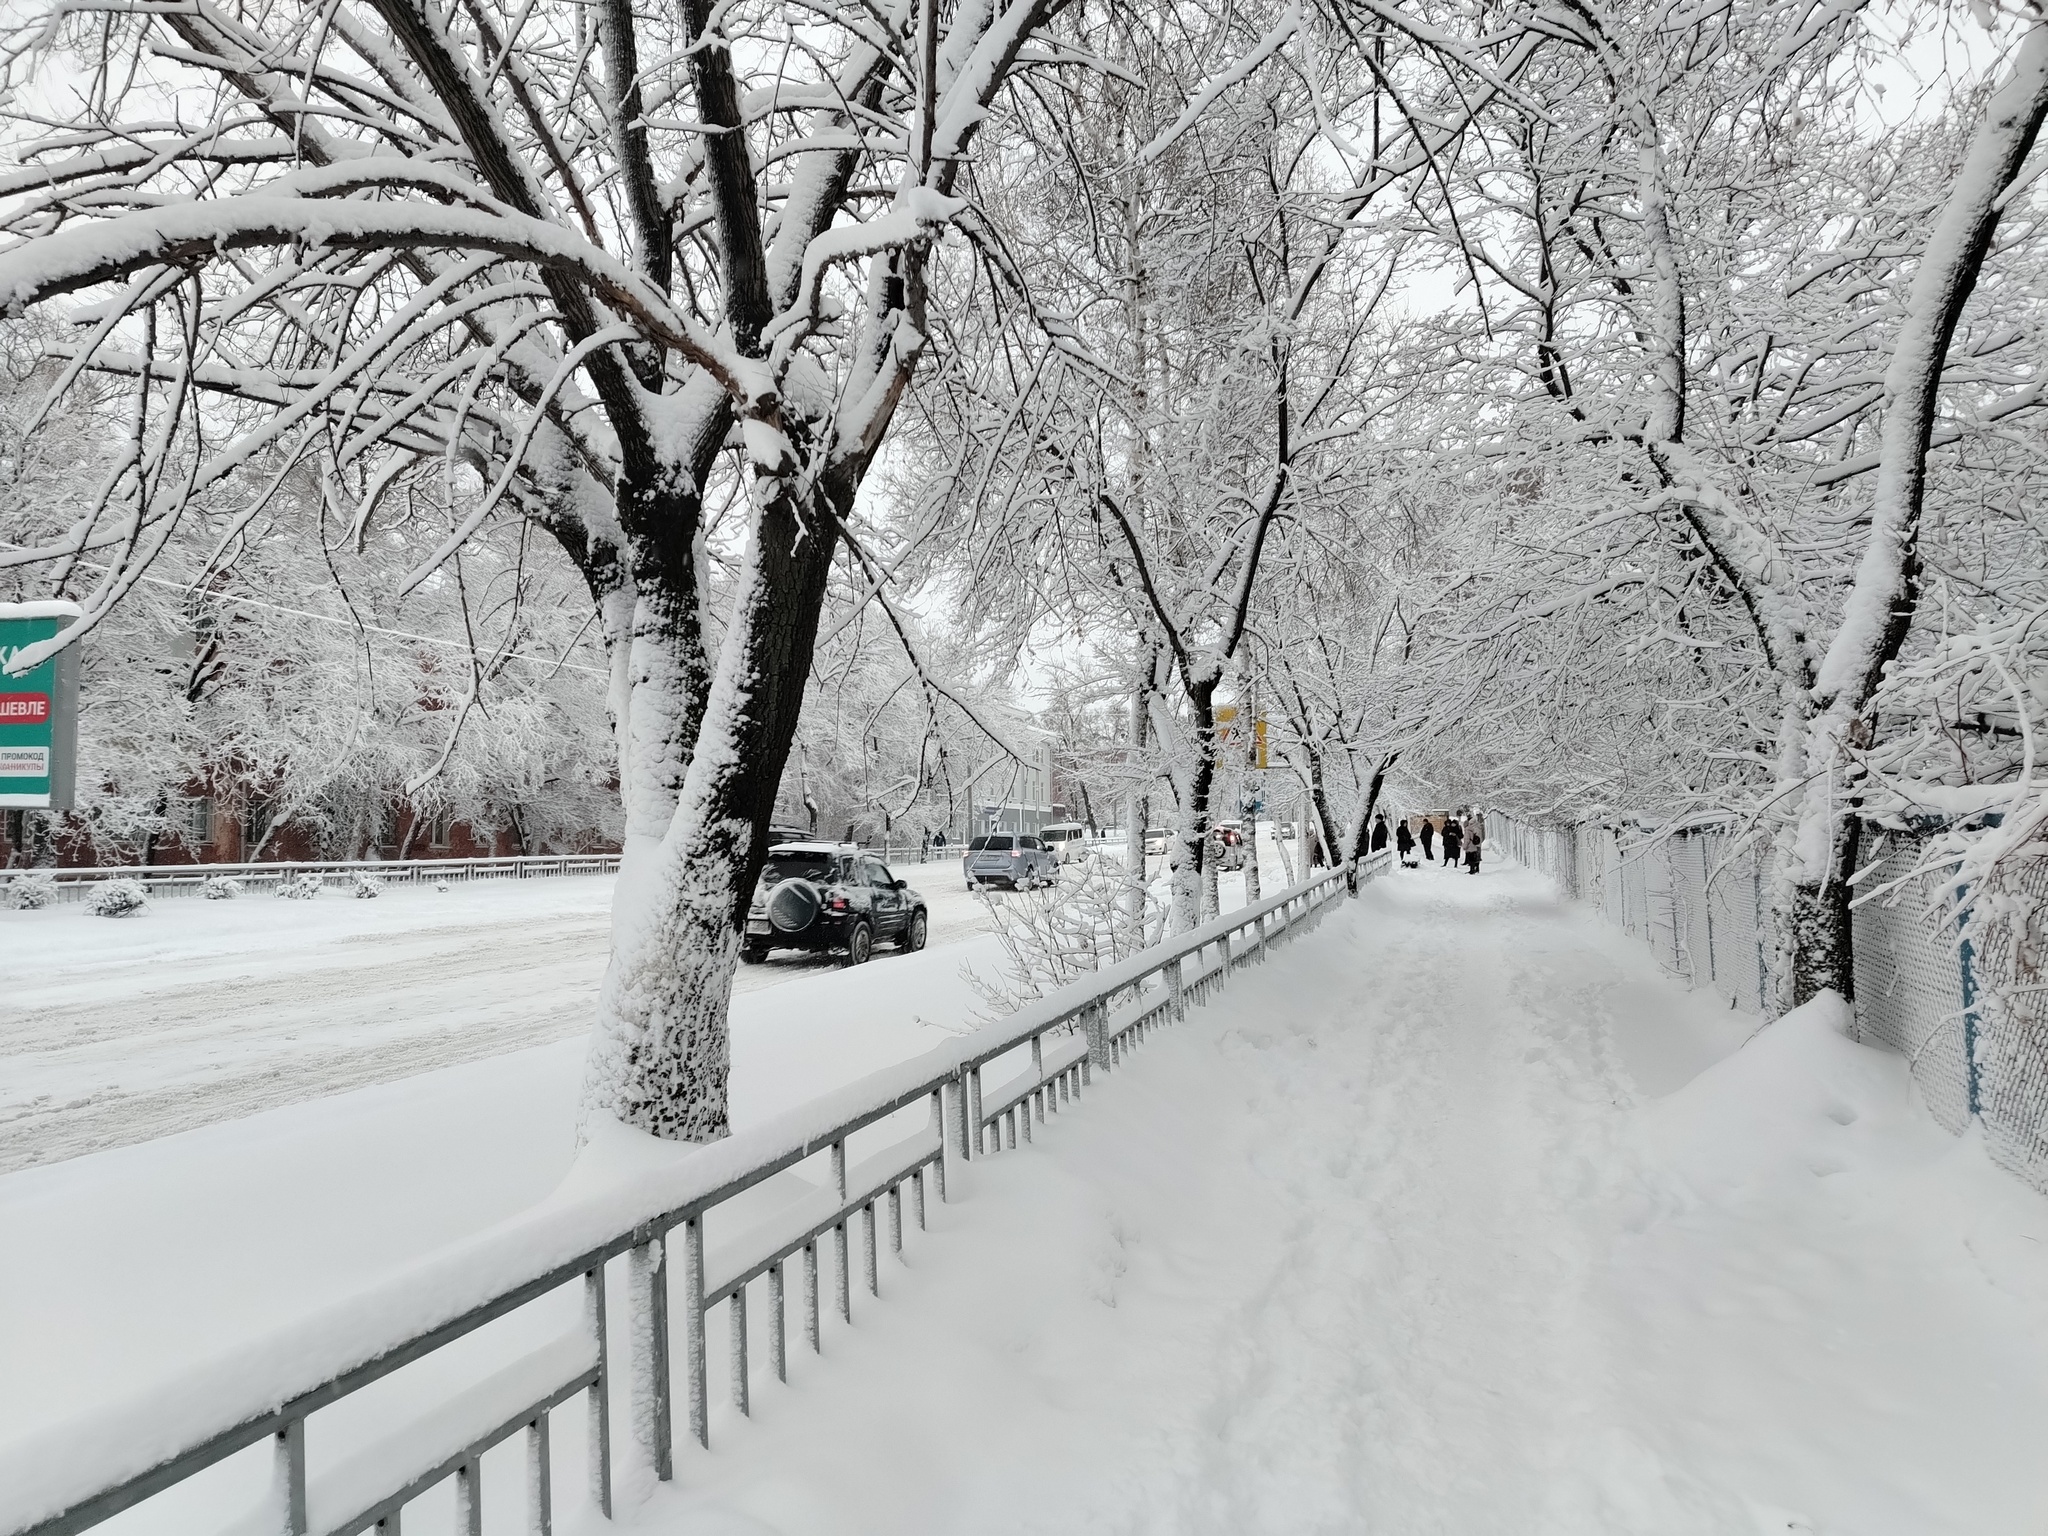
1018	860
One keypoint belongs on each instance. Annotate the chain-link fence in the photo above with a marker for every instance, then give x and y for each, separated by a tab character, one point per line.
1964	999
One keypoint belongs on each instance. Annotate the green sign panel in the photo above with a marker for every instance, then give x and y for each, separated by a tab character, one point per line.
38	710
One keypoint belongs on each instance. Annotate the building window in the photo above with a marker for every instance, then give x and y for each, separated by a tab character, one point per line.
255	822
440	829
195	825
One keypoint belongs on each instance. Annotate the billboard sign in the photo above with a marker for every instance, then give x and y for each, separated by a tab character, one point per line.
1230	736
38	710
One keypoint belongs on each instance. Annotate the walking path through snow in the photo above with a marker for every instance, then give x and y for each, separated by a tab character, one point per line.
1395	1238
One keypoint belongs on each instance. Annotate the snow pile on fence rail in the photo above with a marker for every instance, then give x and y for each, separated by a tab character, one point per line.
623	1200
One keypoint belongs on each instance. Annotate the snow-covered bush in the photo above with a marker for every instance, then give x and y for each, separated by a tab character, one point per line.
1080	923
300	887
365	886
117	898
220	888
441	886
28	893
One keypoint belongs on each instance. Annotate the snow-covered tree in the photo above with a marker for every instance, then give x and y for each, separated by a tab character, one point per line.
659	279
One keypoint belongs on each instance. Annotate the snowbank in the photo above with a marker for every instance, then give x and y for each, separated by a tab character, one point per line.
1837	1306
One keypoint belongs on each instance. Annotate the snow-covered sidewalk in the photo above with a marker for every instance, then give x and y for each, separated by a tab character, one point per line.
1398	1236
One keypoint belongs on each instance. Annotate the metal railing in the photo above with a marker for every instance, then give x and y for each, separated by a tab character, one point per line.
190	879
73	1476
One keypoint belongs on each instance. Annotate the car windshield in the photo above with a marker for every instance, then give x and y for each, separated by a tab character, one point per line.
997	844
794	866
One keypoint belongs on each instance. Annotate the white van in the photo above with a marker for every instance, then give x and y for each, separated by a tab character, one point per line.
1068	840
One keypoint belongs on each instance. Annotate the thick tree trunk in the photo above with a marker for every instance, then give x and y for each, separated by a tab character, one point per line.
1819	854
1817	917
659	1056
1355	834
1326	824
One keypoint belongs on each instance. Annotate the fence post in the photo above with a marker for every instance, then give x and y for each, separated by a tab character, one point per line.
952	1134
647	1315
290	1478
695	1351
598	1448
1095	1025
1966	957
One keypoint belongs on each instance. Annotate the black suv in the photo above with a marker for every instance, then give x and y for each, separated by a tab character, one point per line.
830	896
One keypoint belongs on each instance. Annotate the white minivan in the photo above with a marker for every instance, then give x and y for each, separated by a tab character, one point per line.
1067	840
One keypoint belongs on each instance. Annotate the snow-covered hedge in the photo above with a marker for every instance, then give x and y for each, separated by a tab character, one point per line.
220	888
117	898
27	893
365	886
300	887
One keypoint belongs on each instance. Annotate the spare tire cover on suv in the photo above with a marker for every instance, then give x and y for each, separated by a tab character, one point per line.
794	905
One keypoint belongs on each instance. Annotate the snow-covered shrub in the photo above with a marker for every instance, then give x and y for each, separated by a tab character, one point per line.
220	888
117	898
300	887
441	886
28	893
365	886
1083	922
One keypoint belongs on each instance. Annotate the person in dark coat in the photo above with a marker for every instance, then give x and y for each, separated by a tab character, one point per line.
1454	835
1404	843
1428	838
1379	832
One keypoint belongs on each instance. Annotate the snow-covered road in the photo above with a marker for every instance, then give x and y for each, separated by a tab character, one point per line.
115	1032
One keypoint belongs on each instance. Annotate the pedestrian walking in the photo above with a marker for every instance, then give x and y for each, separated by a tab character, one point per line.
1453	835
1379	832
1428	840
1475	836
1404	843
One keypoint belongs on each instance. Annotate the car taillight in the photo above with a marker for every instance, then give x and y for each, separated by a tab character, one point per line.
1013	853
837	903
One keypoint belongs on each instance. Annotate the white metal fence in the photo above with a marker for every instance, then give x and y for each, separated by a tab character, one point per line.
1961	1001
510	1327
190	879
